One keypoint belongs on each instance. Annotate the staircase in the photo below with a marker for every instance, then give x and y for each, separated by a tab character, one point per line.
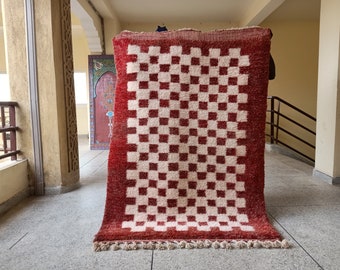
290	127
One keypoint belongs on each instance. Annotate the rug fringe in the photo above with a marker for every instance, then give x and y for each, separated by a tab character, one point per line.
191	244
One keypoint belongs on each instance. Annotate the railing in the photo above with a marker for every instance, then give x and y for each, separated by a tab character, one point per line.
274	116
8	128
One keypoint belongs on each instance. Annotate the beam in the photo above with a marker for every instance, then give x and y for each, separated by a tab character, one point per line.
105	8
259	11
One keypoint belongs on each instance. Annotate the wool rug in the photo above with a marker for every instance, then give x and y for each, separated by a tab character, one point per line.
186	160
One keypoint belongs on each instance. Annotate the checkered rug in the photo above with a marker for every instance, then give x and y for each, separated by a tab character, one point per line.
186	163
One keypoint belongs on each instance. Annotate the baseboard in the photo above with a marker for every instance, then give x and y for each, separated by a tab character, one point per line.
13	201
287	152
61	189
329	179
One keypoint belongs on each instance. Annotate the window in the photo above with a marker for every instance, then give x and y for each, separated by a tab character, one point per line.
5	94
80	88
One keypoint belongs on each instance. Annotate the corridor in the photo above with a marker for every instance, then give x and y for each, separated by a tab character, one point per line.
56	232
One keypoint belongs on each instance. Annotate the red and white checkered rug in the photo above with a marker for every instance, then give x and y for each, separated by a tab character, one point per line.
186	163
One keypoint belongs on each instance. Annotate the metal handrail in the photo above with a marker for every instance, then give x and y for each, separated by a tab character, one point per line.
8	129
275	126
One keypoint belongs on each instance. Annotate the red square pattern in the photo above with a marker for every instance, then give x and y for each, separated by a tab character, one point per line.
177	141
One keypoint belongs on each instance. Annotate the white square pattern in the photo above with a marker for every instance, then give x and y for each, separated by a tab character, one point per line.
184	134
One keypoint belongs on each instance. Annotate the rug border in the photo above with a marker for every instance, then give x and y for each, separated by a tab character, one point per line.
270	233
191	244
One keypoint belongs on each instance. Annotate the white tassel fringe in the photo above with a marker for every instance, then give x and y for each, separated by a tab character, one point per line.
169	245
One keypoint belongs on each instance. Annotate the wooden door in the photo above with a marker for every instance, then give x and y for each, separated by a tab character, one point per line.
102	79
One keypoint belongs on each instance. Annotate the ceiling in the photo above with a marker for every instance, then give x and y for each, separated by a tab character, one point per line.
87	14
233	13
162	12
170	11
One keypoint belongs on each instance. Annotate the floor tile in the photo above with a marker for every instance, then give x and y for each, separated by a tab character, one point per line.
315	228
56	232
233	259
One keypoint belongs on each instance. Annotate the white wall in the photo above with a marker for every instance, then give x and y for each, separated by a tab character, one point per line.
328	113
295	49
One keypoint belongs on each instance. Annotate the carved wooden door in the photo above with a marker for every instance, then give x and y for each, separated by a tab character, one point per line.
102	79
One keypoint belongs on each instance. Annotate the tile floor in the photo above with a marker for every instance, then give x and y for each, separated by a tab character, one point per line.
56	232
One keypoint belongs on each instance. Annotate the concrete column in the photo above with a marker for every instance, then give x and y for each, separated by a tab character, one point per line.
327	164
13	15
55	88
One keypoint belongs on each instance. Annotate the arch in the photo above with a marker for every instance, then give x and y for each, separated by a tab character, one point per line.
91	23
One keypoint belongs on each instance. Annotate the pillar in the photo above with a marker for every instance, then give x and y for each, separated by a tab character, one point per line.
55	87
327	157
13	16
